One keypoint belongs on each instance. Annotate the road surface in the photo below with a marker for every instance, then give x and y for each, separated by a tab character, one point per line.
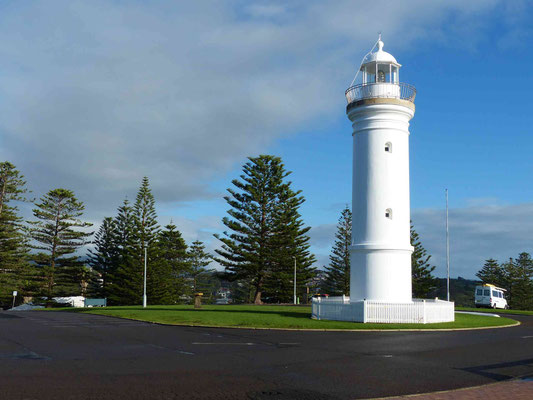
60	355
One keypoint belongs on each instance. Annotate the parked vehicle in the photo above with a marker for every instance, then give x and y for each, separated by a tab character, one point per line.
488	295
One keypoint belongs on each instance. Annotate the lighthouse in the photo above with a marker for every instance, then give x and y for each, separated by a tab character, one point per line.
380	109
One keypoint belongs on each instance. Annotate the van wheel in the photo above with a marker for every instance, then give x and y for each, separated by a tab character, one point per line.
506	307
494	306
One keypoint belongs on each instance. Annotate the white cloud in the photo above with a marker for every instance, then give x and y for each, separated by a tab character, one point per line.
95	95
480	231
476	234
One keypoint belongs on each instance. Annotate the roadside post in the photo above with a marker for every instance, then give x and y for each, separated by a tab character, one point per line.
14	297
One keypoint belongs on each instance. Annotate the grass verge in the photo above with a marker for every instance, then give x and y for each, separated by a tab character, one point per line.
492	311
280	317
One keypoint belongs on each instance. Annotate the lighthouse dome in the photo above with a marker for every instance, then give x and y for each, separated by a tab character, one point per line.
380	56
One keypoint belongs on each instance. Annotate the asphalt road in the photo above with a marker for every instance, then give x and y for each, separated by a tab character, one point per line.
55	355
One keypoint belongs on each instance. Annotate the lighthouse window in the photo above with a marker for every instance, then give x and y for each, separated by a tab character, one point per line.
383	72
394	70
388	213
388	147
370	74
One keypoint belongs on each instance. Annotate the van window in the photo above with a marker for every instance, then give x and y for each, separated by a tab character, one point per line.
479	292
495	293
486	292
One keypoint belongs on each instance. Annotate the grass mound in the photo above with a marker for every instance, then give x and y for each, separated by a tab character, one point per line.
282	317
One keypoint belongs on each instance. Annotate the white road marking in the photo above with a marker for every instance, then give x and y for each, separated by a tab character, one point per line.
527	337
225	344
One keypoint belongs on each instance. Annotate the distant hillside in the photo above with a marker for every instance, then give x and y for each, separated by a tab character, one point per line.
461	291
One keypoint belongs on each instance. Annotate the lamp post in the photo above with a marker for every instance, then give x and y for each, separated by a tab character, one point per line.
144	288
294	279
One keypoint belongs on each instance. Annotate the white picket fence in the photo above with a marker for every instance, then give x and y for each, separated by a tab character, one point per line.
419	311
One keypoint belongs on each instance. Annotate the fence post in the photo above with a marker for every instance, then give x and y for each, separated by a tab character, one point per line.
364	311
424	308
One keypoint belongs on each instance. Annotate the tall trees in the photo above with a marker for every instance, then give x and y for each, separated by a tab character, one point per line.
337	280
422	278
13	240
266	229
56	233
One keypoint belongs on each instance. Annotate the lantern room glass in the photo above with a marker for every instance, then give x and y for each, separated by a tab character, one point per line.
380	73
369	73
395	74
383	73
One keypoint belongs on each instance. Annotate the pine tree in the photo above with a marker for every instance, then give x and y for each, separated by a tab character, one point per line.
199	259
422	278
14	267
337	281
104	257
173	265
492	273
290	249
519	284
56	236
122	287
267	232
144	233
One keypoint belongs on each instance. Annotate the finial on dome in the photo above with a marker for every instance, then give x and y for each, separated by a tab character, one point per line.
380	43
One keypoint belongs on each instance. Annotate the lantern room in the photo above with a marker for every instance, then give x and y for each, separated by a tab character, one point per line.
380	67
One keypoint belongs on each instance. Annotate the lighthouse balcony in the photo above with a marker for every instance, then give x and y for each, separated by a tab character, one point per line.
383	90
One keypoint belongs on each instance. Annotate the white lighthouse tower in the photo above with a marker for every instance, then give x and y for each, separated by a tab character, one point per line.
380	108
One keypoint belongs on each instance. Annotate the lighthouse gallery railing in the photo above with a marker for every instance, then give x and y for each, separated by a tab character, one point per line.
387	90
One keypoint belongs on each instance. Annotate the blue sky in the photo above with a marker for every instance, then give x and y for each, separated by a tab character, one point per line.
95	95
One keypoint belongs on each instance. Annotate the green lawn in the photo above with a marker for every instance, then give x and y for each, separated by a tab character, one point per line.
285	317
490	310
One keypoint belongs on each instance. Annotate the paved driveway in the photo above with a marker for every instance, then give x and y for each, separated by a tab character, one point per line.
58	355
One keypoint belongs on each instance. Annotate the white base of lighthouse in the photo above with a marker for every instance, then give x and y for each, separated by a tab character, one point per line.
379	274
416	311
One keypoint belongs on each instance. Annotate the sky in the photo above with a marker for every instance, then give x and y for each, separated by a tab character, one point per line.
94	95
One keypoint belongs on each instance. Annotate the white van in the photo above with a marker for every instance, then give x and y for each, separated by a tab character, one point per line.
488	295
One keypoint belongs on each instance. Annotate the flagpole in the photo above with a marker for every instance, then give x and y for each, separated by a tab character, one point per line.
447	252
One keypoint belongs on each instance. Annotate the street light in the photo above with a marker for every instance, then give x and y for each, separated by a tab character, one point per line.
294	279
144	289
